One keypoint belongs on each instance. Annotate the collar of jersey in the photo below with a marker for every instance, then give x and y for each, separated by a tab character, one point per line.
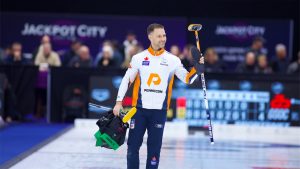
155	53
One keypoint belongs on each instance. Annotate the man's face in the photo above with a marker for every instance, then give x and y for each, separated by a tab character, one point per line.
281	53
175	50
16	48
16	51
211	57
258	44
158	38
47	49
262	61
107	55
45	39
250	59
84	53
76	46
130	37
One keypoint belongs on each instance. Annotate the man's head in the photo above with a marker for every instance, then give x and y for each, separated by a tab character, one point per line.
45	39
107	52
175	50
130	36
107	42
250	59
187	52
258	43
47	49
133	50
84	53
211	56
16	50
157	36
16	46
280	50
262	61
75	45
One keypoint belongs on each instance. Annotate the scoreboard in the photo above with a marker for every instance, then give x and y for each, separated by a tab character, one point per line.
224	106
231	107
242	102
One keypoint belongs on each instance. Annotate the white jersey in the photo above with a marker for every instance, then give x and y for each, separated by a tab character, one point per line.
153	74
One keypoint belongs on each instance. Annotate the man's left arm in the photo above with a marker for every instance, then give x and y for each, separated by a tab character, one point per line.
188	77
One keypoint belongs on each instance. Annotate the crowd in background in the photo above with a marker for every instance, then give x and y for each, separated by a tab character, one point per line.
115	55
112	54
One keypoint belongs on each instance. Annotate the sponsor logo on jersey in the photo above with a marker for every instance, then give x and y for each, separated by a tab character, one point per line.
154	78
146	62
153	90
164	62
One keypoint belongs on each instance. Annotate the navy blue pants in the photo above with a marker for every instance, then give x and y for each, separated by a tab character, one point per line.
154	122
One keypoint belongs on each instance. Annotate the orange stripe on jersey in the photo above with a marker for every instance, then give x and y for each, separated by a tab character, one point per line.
170	91
156	53
189	75
135	92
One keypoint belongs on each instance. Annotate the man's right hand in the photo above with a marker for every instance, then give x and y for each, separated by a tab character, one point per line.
118	107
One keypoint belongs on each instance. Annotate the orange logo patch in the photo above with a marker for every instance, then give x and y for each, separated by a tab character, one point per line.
154	77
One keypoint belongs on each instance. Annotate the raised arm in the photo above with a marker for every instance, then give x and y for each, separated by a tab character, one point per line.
184	75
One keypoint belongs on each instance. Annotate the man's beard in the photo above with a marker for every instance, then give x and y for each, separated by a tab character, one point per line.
162	45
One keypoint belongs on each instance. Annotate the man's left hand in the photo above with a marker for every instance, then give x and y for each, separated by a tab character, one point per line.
201	60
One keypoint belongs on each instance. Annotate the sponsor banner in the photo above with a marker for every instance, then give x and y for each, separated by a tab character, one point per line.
28	29
231	38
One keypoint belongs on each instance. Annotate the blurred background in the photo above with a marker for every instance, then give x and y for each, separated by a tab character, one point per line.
56	57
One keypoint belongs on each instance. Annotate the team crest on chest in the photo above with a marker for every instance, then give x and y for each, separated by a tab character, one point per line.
146	61
163	62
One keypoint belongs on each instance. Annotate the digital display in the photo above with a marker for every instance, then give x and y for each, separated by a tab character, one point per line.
242	102
235	107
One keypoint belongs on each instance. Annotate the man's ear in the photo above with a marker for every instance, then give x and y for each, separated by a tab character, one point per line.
150	36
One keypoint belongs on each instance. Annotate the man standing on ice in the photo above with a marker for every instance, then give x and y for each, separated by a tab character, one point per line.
152	72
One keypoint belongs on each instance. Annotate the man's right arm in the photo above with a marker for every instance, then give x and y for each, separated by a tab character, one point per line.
125	84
